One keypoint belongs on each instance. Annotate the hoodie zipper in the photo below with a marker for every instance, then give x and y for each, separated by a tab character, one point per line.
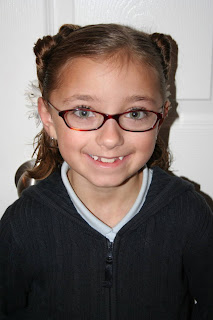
108	265
108	272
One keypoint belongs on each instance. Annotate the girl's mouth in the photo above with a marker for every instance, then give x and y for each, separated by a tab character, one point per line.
105	160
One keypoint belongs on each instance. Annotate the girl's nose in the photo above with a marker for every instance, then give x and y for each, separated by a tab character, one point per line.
110	135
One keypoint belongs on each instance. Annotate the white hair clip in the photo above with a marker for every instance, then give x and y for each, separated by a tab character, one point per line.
32	94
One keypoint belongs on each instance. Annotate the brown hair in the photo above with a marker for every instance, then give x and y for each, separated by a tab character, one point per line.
95	41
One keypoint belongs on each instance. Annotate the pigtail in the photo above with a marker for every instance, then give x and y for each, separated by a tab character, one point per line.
44	48
161	156
48	157
163	47
42	51
66	29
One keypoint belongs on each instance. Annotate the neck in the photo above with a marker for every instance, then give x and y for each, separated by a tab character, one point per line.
109	205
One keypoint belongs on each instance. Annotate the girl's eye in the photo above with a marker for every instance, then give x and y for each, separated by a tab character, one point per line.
136	114
83	113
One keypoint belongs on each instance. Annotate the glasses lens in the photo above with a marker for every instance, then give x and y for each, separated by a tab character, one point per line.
83	119
138	120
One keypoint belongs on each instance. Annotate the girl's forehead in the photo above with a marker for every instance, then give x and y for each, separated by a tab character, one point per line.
121	63
117	63
110	79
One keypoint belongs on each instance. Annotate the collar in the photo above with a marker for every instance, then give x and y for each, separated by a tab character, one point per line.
94	222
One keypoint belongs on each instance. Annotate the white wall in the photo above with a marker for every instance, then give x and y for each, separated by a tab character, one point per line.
189	22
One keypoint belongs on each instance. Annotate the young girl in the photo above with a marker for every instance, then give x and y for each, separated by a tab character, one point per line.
106	233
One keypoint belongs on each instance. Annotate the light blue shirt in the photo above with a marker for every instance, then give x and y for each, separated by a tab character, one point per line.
93	221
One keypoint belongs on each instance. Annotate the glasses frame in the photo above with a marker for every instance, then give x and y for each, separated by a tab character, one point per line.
106	117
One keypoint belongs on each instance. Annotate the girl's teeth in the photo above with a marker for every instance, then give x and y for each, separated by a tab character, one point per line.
106	160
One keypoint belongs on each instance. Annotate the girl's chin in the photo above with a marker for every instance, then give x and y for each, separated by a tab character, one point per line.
113	180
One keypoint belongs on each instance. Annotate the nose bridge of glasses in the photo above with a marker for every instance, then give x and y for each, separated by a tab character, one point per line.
110	116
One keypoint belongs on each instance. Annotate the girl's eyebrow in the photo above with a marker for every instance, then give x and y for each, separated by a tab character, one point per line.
83	97
89	98
135	98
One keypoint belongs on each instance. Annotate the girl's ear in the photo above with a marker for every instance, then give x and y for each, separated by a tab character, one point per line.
46	118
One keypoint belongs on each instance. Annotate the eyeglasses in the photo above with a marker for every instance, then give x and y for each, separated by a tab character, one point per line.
85	119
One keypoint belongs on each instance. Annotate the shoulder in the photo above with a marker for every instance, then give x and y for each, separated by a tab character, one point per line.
177	198
163	179
165	187
37	202
175	188
167	190
46	190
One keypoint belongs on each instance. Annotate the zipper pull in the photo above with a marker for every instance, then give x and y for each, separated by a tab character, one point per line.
107	283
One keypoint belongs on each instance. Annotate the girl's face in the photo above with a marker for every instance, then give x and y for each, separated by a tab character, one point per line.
107	157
